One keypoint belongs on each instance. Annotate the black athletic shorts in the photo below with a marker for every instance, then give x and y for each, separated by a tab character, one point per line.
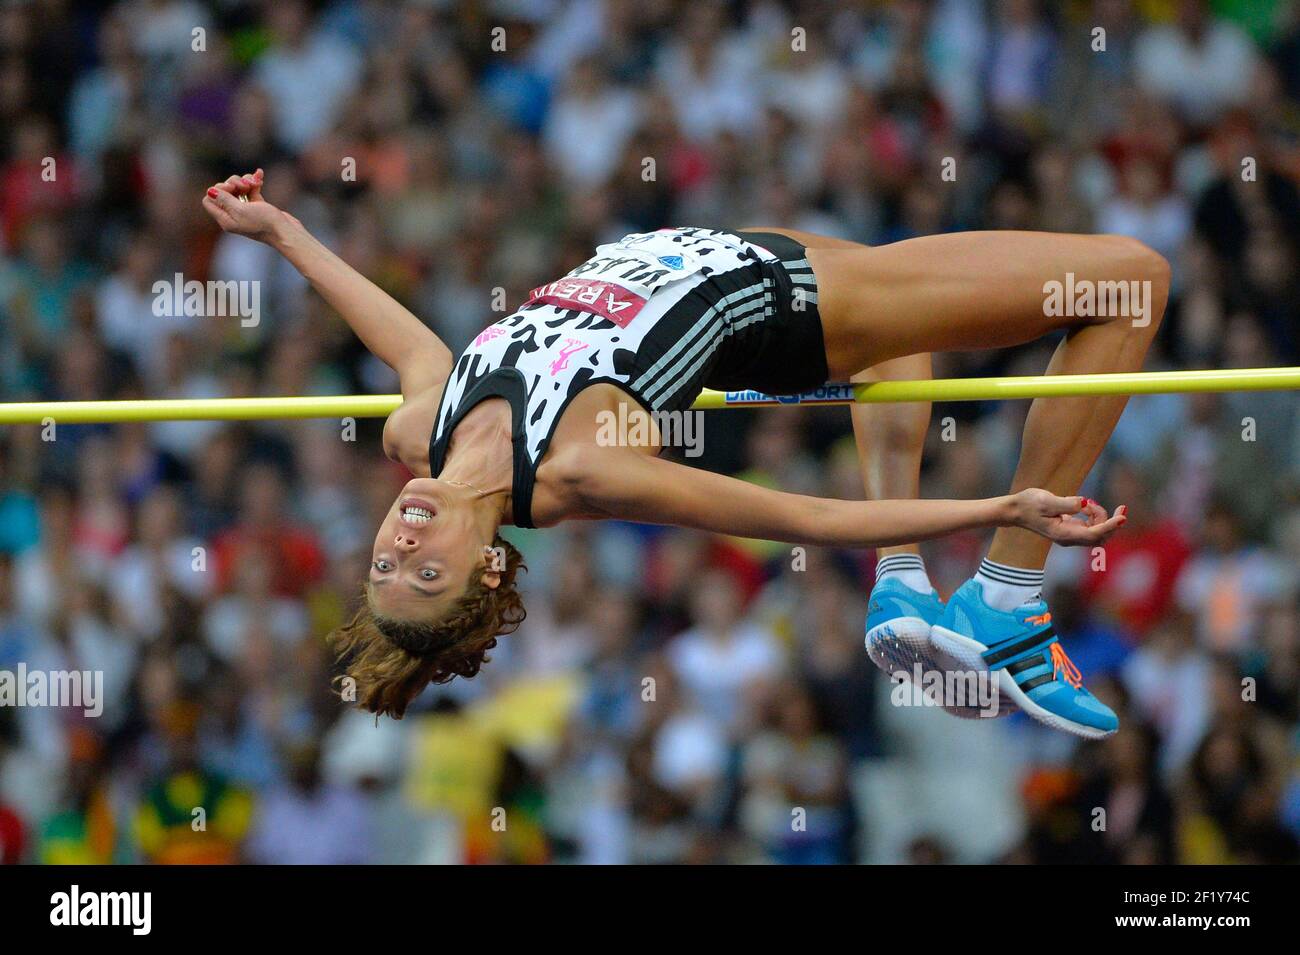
785	353
751	323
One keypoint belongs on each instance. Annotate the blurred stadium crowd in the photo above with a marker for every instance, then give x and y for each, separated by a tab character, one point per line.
671	697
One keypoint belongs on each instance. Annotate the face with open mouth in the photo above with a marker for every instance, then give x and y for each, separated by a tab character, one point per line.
413	512
425	553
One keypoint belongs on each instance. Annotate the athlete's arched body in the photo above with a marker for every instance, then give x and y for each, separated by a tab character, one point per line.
513	431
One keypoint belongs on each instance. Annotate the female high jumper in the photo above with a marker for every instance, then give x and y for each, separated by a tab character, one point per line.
511	431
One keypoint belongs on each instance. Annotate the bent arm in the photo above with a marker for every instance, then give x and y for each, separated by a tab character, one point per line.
391	333
626	484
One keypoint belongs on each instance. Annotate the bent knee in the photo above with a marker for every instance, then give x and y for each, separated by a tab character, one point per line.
1139	261
1135	286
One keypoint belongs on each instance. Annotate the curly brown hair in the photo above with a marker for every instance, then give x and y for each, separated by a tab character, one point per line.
389	662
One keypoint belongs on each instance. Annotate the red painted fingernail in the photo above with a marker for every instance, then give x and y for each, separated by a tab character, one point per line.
212	193
1086	502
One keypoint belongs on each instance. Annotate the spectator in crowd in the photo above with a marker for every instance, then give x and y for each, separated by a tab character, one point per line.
306	821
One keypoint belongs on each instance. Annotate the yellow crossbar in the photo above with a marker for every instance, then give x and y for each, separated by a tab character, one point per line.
949	389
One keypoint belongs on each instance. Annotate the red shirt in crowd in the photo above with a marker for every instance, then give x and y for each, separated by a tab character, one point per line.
1141	569
11	837
297	561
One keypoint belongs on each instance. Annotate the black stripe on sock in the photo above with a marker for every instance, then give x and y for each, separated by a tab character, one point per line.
1003	571
900	562
1011	575
1008	570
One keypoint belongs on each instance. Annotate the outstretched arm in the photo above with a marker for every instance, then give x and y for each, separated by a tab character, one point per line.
623	483
384	325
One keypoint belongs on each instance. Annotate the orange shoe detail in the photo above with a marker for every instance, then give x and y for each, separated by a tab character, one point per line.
1064	666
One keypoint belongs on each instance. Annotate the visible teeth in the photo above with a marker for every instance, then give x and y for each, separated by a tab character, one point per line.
417	515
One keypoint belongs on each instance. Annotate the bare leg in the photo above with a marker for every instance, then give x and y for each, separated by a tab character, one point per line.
986	290
1049	462
891	437
890	440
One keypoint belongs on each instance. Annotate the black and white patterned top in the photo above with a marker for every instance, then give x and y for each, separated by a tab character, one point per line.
648	313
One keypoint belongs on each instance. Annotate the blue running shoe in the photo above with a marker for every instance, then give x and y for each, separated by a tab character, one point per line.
898	636
1021	647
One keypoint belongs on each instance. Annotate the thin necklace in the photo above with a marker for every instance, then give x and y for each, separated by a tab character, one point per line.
468	485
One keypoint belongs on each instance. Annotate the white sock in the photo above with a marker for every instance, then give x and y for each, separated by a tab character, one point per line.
1006	588
907	569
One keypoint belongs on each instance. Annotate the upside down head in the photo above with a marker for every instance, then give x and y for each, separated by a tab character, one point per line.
441	589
